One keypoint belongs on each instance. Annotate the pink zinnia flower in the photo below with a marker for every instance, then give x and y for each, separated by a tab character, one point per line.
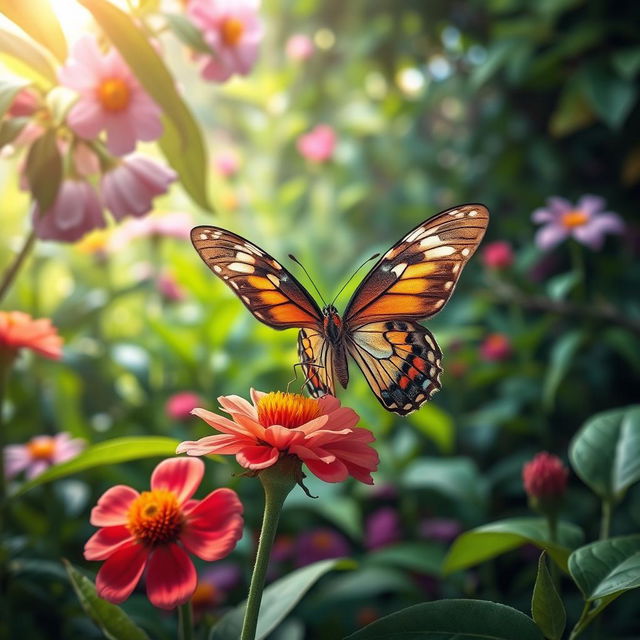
495	348
318	145
320	544
76	211
545	476
233	30
497	255
319	432
130	187
586	221
19	330
180	405
157	529
299	47
111	98
40	453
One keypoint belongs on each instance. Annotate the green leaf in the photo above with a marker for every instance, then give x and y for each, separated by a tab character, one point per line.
605	453
423	557
10	129
607	567
627	62
182	142
562	355
29	54
546	605
452	620
109	452
37	18
43	170
112	620
611	96
496	538
186	31
278	600
8	91
435	424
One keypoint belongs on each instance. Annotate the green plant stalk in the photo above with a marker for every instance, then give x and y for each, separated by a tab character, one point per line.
587	616
185	621
577	263
552	522
277	482
605	522
13	269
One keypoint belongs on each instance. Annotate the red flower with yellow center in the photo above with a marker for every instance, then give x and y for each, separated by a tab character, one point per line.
156	530
18	330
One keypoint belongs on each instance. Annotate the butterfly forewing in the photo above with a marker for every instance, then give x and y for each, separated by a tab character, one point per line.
265	287
417	276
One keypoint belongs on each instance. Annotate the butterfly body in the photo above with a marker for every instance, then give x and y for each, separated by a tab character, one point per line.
379	328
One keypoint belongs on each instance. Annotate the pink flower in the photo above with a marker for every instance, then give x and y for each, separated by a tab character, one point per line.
299	47
173	225
20	331
25	103
382	528
40	453
76	211
226	162
180	405
545	476
318	145
442	529
320	433
111	98
157	529
495	348
233	31
320	544
130	187
497	255
169	288
586	221
85	161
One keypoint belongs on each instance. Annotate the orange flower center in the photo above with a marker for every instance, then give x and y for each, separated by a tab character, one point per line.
42	449
155	518
114	94
287	409
574	218
231	31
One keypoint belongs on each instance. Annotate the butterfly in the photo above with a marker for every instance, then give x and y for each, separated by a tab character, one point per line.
412	281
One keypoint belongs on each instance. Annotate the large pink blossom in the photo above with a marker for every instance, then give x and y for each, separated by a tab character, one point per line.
111	98
233	30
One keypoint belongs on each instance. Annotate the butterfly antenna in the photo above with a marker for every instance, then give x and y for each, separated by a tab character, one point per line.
353	275
292	257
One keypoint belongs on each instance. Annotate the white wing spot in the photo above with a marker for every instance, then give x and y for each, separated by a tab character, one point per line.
258	315
453	212
399	269
414	235
203	236
253	249
439	252
241	267
473	213
439	303
245	257
465	252
233	283
246	300
217	268
455	268
460	215
273	279
217	234
432	372
407	407
448	285
276	265
430	241
431	357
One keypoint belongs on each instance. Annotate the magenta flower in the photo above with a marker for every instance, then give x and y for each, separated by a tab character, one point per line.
299	47
586	221
317	145
496	347
130	187
40	453
180	405
169	288
171	225
233	30
382	528
441	529
320	544
498	255
76	211
111	98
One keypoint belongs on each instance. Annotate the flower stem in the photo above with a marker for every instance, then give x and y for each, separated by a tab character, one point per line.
277	482
185	621
605	522
12	271
578	266
552	521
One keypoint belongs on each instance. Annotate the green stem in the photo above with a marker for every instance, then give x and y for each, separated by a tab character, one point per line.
185	621
277	482
605	522
12	271
552	521
577	263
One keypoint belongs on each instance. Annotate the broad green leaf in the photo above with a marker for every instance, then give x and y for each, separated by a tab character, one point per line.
562	355
496	538
425	557
37	18
546	606
28	54
607	567
182	141
109	452
8	91
452	620
43	170
278	600
186	31
436	425
10	129
611	96
112	620
605	453
627	62
367	583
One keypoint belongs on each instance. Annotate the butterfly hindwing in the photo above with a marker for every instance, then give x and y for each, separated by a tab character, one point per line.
400	360
316	356
265	287
417	276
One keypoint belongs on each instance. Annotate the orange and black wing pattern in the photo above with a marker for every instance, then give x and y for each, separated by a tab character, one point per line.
316	356
417	276
264	286
400	360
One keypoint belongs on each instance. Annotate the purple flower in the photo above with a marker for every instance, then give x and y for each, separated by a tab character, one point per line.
320	544
443	529
586	221
382	528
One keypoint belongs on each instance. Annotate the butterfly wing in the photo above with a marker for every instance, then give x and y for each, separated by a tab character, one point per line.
417	276
400	360
317	359
263	285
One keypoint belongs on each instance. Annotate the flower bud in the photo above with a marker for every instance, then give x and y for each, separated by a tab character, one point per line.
498	255
545	481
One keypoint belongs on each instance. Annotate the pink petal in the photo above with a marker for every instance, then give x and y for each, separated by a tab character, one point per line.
334	471
106	541
120	573
121	135
328	403
559	205
220	423
86	118
36	468
593	232
281	437
591	204
16	459
236	404
113	506
145	117
171	577
182	476
214	444
256	396
257	457
543	215
550	235
313	425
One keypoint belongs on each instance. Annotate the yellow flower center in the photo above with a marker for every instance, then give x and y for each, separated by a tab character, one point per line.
155	518
114	94
42	449
231	31
287	409
574	218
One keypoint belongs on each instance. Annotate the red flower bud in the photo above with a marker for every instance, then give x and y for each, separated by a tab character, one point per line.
495	348
545	477
497	255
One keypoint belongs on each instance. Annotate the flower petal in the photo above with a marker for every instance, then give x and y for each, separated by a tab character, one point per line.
171	577
106	541
182	476
257	457
236	404
550	235
591	204
121	572
220	423
334	471
113	506
214	444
